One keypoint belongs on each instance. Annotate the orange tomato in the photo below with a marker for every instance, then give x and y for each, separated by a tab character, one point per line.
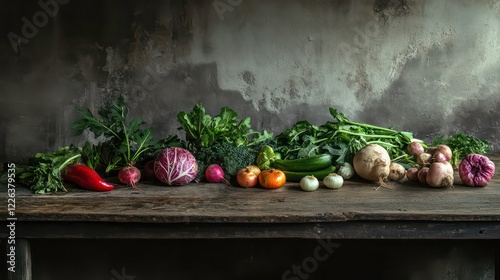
272	178
246	178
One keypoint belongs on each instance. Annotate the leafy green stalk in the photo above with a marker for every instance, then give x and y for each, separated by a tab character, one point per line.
43	172
342	138
203	131
125	141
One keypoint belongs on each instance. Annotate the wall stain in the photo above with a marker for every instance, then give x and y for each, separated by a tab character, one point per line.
386	10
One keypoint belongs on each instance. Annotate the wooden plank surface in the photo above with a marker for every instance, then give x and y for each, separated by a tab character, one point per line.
217	203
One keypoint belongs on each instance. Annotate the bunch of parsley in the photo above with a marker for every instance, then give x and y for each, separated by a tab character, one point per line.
42	174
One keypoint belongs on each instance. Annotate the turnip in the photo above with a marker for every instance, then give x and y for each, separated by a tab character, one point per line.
412	174
422	174
424	159
439	157
415	148
440	175
372	163
396	171
445	150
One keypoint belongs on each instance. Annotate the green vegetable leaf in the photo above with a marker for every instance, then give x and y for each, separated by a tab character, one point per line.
43	172
203	131
461	145
125	141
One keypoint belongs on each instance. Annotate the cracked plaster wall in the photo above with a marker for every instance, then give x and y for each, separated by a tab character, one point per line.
430	67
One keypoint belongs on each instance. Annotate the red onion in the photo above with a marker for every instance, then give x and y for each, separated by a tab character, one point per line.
476	170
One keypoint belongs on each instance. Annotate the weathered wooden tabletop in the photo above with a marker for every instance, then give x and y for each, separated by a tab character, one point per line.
357	210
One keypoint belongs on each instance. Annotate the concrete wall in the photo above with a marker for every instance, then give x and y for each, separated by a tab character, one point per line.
430	67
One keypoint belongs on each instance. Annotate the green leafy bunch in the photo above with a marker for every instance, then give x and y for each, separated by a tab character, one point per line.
202	130
42	174
125	140
461	145
341	138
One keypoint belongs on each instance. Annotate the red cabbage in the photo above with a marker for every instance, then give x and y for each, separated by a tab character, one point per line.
175	166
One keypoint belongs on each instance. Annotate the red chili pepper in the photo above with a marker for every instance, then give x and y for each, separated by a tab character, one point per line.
86	178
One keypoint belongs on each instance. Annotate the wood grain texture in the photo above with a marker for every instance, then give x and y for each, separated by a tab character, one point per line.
356	201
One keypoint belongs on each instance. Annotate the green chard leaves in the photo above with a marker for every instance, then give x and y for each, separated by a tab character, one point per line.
341	138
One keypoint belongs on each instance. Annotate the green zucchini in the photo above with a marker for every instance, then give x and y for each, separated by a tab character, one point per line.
296	176
311	163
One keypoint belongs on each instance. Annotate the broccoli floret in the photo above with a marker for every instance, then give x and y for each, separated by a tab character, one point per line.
227	155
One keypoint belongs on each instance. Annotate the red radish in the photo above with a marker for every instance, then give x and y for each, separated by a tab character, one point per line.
129	175
215	174
440	175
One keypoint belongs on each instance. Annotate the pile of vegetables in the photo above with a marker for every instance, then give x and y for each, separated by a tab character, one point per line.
223	139
435	166
225	149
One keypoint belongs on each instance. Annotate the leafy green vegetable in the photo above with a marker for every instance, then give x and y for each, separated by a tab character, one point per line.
462	144
203	131
126	141
229	156
265	157
43	172
342	138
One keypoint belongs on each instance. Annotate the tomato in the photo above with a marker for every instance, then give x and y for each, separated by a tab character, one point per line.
246	178
272	178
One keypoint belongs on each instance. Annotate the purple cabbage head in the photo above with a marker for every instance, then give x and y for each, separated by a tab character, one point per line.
175	166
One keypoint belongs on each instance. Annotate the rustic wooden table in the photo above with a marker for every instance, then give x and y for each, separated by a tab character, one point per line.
356	211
